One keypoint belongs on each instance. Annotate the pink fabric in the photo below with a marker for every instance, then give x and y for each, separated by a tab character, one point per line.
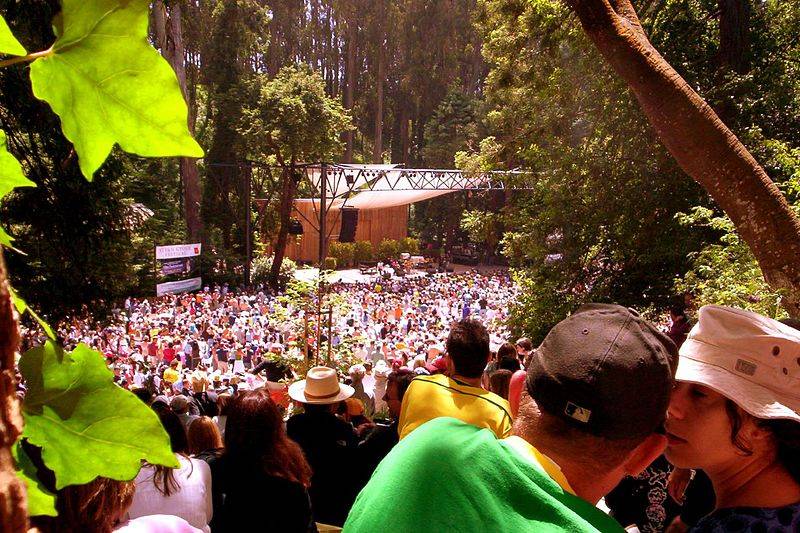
515	390
156	523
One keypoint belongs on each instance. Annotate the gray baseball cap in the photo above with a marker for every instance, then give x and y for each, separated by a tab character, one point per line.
606	370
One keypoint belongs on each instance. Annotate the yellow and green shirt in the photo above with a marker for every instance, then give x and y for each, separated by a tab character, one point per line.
430	397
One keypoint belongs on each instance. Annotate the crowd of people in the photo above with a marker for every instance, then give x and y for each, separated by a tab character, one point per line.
241	339
442	422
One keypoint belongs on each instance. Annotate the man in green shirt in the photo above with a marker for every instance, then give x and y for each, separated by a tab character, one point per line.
595	397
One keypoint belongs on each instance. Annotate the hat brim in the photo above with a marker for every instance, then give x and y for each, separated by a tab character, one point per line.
297	392
756	399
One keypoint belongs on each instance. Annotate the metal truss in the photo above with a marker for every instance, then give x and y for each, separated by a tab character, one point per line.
343	181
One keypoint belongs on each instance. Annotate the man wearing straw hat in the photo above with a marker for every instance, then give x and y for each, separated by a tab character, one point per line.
328	443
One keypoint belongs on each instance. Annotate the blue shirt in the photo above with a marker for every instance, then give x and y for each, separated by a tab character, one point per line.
747	519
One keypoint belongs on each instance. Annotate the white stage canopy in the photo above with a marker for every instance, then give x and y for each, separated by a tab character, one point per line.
403	194
383	186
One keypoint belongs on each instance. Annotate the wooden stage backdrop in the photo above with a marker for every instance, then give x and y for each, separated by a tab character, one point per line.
374	225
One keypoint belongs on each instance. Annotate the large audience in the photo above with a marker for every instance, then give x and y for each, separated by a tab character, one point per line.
430	417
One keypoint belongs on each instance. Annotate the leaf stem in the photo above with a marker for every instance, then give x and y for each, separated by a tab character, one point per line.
27	58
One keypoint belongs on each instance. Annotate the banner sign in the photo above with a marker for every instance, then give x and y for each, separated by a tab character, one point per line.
177	251
178	266
173	287
175	263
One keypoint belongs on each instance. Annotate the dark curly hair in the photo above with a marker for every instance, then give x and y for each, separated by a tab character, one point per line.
786	434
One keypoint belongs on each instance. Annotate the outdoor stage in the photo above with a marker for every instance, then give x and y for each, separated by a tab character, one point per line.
354	275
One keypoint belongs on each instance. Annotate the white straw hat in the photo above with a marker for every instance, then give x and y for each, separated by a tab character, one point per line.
748	358
321	386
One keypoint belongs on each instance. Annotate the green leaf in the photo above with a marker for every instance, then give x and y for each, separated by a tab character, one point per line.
74	410
40	500
110	86
22	306
11	175
9	45
6	239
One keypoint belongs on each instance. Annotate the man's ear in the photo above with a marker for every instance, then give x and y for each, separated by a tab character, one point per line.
644	454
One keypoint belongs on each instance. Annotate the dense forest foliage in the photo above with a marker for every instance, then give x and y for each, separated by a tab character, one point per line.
613	217
481	84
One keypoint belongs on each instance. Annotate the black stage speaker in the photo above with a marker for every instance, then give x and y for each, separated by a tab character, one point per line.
295	227
349	225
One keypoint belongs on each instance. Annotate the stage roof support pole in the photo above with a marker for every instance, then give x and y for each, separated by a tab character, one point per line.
323	212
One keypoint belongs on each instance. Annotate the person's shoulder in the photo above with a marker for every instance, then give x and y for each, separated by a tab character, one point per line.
785	518
297	422
198	464
499	400
441	432
436	379
158	523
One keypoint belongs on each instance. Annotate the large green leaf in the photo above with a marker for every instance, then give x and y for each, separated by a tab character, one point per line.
11	175
85	424
8	43
40	500
110	86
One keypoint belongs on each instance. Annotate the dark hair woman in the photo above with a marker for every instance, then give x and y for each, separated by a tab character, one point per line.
260	469
499	381
184	491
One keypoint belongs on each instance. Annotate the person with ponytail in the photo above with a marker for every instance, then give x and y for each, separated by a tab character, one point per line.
184	491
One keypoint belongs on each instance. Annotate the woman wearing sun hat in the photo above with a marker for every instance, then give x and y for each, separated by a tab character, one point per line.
735	413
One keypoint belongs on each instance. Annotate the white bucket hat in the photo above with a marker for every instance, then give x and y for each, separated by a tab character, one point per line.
321	386
748	358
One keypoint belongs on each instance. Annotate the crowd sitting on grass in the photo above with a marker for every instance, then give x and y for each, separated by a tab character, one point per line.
445	423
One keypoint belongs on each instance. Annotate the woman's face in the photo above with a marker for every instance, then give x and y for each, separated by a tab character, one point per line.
699	429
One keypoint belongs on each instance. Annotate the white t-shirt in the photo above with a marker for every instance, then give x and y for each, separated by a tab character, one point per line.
191	501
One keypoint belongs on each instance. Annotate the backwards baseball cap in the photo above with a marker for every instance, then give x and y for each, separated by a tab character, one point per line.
748	358
605	370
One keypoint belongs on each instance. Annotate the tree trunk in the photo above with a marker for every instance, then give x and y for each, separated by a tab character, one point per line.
733	56
701	143
168	30
288	191
377	146
13	502
349	88
734	35
274	50
190	175
159	14
403	132
396	154
377	149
